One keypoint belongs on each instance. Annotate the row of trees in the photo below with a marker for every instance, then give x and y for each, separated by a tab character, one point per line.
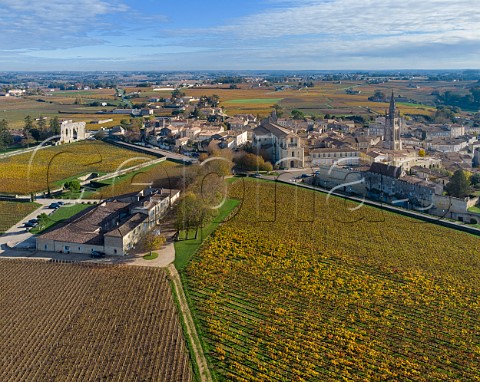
205	190
33	130
37	130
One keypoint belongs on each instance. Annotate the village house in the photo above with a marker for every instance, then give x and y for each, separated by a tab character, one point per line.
329	156
391	184
447	145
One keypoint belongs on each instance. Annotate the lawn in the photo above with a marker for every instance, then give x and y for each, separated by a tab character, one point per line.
184	249
151	256
13	212
474	209
63	213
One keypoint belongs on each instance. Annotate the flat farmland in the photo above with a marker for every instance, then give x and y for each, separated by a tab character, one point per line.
60	104
72	322
30	172
297	286
330	97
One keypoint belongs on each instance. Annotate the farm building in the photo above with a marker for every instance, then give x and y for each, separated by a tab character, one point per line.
112	227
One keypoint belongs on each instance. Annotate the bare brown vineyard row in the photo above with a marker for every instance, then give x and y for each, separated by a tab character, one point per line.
71	322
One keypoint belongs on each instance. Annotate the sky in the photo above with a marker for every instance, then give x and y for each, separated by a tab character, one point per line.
239	35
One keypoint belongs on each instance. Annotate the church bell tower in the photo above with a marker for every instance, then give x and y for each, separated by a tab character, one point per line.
393	127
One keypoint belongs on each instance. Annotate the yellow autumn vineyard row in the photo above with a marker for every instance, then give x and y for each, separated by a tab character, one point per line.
308	290
25	173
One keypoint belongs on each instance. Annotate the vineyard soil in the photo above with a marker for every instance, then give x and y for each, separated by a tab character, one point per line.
72	322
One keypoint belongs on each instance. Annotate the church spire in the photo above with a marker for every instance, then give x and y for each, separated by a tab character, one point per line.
392	109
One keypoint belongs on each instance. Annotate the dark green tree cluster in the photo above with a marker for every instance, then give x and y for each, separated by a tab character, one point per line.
6	138
458	186
469	101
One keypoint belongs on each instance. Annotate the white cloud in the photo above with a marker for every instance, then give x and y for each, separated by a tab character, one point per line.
296	34
54	23
345	32
366	18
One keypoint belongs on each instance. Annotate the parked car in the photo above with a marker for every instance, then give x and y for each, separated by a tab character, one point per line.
97	255
30	224
54	205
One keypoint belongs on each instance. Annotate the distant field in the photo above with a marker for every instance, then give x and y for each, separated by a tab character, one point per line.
72	322
60	104
13	212
25	173
324	98
254	101
300	287
328	98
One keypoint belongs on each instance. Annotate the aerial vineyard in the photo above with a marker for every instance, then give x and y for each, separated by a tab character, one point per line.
30	172
66	322
299	287
165	174
13	212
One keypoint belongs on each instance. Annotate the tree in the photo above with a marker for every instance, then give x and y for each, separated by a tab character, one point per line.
421	153
134	130
297	114
214	100
458	186
151	242
41	123
43	220
72	185
6	138
196	113
55	126
378	96
189	212
278	110
475	179
445	114
28	123
252	162
177	93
